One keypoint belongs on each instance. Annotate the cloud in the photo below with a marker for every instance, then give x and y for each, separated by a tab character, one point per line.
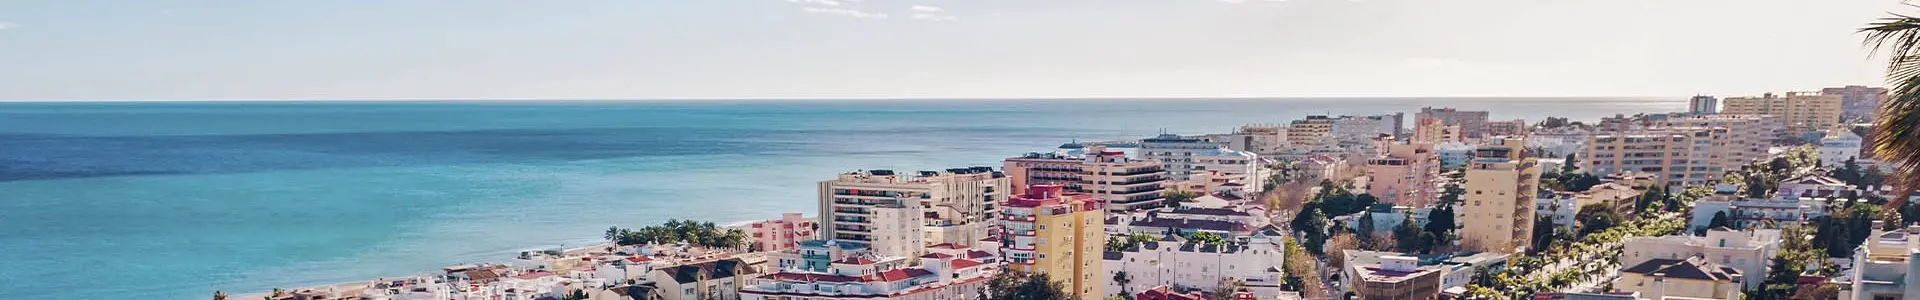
846	12
820	2
928	16
5	26
924	8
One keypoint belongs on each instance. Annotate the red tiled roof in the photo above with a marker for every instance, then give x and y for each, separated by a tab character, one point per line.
639	259
962	263
532	275
972	254
937	255
900	274
812	277
947	246
1163	293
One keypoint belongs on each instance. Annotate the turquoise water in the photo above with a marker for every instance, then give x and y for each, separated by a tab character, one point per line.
174	200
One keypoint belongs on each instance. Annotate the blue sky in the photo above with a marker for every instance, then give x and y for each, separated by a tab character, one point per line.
636	49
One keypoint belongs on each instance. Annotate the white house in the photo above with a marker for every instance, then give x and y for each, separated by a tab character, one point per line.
1175	263
1749	251
1838	146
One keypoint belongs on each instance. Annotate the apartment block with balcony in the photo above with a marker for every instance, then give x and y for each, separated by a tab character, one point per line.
781	234
1883	266
1049	230
1799	112
1404	174
1857	102
892	212
825	271
1502	183
1185	157
1677	155
1473	124
1110	176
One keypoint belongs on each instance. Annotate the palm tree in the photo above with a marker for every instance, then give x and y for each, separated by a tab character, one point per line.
1896	132
219	295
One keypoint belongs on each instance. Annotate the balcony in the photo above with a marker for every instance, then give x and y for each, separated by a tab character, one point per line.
860	229
852	220
853	211
1140	172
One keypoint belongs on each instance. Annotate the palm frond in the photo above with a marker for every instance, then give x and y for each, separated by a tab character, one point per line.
1896	137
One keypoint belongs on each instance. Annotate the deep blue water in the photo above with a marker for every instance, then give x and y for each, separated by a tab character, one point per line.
174	200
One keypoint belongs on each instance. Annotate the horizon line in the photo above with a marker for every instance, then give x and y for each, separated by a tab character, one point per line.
797	99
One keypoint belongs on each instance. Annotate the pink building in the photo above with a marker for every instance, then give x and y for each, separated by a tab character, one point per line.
1404	175
780	234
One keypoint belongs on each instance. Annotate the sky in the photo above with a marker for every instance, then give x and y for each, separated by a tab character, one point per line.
701	49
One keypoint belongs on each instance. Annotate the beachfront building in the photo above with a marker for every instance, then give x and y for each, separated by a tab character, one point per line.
1502	183
1675	155
1404	174
1111	177
1188	265
1703	105
1183	157
710	280
1473	124
1749	251
1263	139
894	213
1839	146
1883	266
1799	112
837	274
1857	102
1311	130
1692	277
780	234
1049	230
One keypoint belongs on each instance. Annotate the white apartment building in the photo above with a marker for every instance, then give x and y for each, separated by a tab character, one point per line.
1178	264
893	212
1839	146
1110	176
1184	156
1453	155
1883	266
1749	251
856	275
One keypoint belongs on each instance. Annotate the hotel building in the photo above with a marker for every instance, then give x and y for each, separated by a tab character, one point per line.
1183	157
1110	176
1501	186
1049	230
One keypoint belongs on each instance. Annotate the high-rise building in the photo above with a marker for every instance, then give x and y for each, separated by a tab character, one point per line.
1703	105
1184	156
1405	174
1798	112
895	213
1501	185
1473	124
1857	102
1435	131
1110	176
1309	130
1049	230
1684	150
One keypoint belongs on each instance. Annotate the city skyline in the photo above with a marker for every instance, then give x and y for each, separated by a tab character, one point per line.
761	49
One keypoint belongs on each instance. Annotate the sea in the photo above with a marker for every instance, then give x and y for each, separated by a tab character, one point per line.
174	200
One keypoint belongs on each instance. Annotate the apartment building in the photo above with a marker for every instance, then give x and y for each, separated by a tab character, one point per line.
1429	130
1883	266
1049	230
1171	262
1798	112
1515	127
1183	157
1473	124
1404	174
1703	105
1310	130
1857	102
893	212
1839	146
1749	251
780	234
1110	176
1678	155
1502	183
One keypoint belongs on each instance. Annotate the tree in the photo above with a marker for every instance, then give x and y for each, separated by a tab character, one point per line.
1410	239
1023	286
1720	220
1543	229
219	295
1595	218
1177	198
1206	238
1121	278
1365	226
1570	165
1336	249
1440	223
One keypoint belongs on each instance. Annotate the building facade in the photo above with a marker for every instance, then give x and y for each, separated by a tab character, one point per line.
1859	103
1748	251
1048	230
1689	278
1883	266
1120	182
892	212
781	234
1473	124
1839	146
1193	266
828	274
1502	183
1404	174
1703	105
1798	112
1183	157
